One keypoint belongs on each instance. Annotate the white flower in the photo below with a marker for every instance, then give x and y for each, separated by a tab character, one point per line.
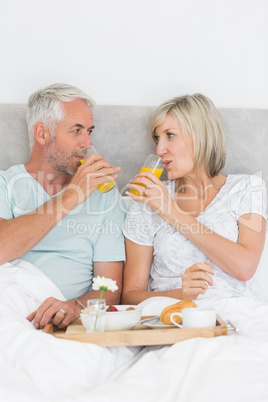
104	284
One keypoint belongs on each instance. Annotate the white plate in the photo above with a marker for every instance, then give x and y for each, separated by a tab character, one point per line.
157	324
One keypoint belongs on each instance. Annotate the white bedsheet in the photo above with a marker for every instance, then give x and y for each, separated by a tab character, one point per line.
35	366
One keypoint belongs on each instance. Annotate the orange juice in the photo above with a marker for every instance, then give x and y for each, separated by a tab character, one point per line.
105	187
156	171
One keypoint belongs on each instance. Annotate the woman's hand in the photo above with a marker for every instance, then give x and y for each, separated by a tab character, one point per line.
196	279
152	192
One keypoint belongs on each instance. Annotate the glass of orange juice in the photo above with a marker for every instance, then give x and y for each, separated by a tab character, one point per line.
152	164
105	187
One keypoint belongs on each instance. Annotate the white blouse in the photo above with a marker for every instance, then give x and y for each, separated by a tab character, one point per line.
173	253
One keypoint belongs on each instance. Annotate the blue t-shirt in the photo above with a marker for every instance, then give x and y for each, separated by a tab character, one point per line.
90	232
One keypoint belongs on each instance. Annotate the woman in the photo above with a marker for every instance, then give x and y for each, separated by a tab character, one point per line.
199	233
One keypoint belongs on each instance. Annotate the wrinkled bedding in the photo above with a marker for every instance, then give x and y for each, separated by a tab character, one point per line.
37	367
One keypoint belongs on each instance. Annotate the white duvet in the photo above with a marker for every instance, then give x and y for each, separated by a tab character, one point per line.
36	367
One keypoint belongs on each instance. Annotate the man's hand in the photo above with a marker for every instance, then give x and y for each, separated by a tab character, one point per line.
93	172
58	312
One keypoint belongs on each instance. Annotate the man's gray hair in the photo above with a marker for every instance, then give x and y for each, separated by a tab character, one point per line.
45	106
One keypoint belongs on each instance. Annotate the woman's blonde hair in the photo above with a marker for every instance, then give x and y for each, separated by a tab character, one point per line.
198	117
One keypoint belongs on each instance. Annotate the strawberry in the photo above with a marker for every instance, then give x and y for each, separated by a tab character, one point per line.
112	308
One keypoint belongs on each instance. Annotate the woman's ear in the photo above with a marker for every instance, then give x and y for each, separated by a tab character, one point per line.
41	133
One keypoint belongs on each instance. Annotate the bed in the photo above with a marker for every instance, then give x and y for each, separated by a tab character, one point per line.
36	366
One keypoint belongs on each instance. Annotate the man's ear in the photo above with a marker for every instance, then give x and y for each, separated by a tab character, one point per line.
41	133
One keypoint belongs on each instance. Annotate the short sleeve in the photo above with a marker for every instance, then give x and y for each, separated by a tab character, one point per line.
141	224
110	245
249	196
5	208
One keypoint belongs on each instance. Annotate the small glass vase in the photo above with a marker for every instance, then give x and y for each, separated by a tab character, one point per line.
96	315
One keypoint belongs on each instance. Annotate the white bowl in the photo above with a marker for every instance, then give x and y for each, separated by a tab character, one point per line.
118	320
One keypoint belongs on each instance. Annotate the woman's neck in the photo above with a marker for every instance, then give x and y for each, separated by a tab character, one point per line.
194	194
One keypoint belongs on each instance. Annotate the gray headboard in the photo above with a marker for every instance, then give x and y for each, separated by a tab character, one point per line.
122	135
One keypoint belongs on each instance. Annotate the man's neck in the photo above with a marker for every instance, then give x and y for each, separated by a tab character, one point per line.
51	181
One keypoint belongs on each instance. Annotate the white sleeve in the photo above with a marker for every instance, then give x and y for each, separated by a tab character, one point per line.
141	224
249	196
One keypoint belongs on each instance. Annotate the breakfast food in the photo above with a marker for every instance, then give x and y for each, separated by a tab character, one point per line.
175	308
112	308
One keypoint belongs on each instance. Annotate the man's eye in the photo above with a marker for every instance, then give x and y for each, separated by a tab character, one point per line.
89	132
77	130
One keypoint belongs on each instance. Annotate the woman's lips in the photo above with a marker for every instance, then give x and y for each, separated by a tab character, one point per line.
166	164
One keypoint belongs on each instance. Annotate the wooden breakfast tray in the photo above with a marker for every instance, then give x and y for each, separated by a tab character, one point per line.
138	336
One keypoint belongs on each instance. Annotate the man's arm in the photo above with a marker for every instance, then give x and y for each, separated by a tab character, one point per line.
51	308
21	234
112	270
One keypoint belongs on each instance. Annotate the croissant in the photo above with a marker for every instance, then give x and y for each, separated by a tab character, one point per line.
175	308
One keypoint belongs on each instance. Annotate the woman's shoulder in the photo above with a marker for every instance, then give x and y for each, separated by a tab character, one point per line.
242	181
247	193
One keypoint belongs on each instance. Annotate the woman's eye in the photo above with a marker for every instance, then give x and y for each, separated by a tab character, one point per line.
170	135
156	138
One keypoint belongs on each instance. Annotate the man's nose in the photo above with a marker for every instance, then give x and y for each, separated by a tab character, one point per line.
86	141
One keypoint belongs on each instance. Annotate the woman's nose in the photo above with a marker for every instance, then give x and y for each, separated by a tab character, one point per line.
161	149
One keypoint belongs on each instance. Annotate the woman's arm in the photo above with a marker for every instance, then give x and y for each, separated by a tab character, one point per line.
136	275
239	259
137	271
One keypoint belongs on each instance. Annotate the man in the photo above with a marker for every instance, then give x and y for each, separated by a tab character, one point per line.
51	213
